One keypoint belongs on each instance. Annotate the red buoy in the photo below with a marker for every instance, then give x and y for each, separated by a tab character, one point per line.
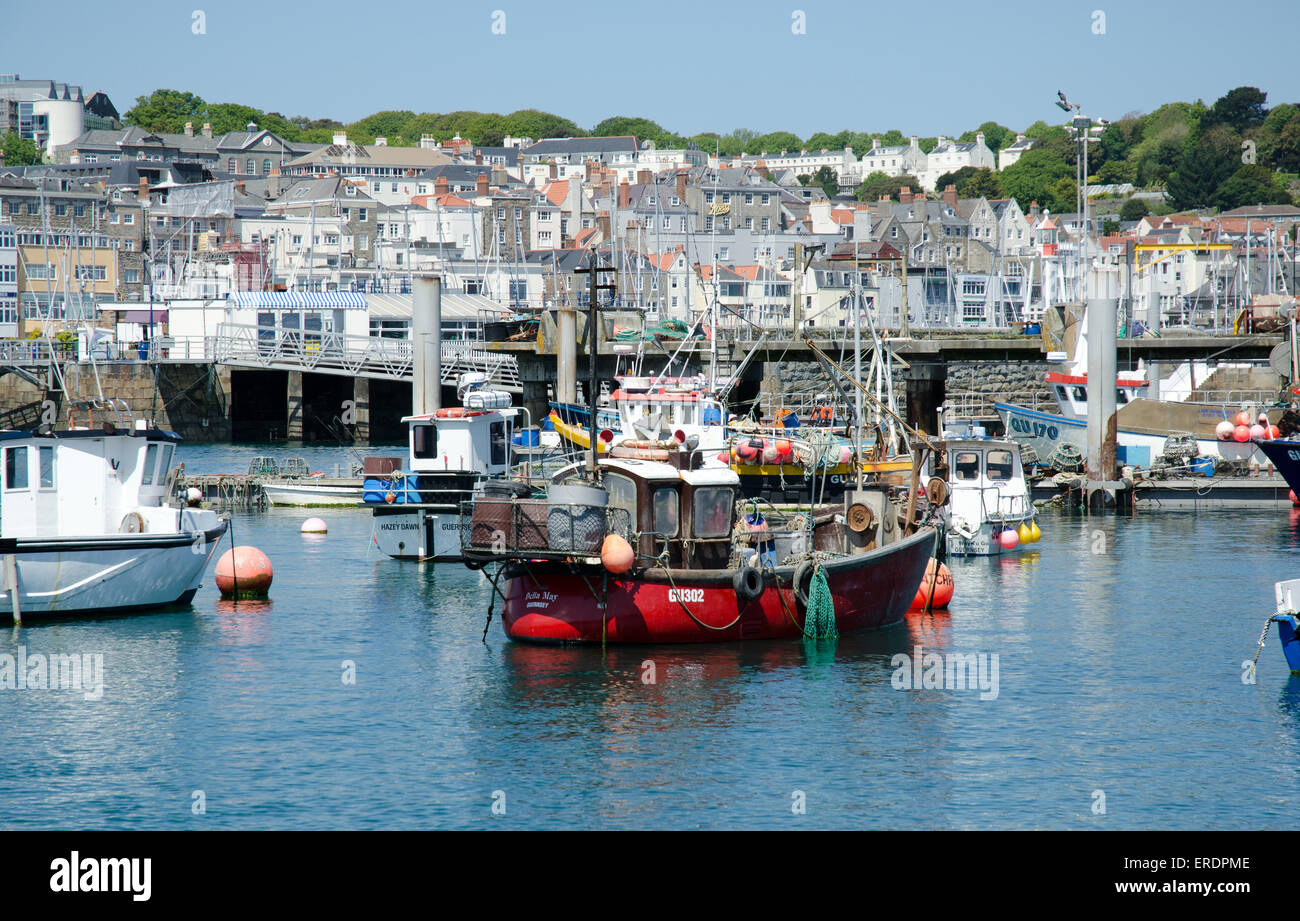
244	572
937	580
1294	501
1241	433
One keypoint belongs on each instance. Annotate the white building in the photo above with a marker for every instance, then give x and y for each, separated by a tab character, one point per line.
949	156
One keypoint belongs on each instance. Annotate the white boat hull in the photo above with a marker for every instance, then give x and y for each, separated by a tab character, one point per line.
107	573
982	542
413	533
308	493
1045	432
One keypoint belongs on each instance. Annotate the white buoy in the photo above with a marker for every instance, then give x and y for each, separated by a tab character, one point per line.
314	526
194	495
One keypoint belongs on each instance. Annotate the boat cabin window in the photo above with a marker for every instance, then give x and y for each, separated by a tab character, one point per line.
1121	396
666	507
712	511
966	465
165	463
150	461
622	494
424	441
16	468
47	466
1081	394
1060	393
999	465
500	443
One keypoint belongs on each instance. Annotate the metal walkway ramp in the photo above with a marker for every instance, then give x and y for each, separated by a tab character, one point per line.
352	356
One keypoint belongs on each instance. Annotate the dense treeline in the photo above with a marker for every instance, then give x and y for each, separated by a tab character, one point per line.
1236	151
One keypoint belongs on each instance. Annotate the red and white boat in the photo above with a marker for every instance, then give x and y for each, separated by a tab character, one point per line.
699	569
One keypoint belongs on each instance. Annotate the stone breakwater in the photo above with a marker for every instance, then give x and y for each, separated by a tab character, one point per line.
1011	381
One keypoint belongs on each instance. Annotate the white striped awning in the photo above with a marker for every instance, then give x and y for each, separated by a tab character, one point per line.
299	300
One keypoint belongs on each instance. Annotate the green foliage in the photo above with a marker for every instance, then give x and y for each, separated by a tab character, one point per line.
640	128
19	151
1134	210
927	144
893	138
1117	171
995	136
774	143
1200	172
1036	176
823	141
878	184
166	111
972	182
828	179
1239	109
1252	184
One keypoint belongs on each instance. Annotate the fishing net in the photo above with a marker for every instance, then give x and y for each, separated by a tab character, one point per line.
819	621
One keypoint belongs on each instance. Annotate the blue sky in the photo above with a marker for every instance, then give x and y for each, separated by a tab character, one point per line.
926	68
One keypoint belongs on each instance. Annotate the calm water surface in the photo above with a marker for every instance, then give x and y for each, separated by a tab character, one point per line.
1120	643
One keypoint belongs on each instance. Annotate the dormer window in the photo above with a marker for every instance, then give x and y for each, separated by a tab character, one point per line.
350	190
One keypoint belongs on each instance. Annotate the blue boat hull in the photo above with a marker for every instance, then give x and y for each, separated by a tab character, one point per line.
1286	631
1285	456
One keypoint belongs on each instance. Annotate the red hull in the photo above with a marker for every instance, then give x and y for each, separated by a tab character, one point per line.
553	603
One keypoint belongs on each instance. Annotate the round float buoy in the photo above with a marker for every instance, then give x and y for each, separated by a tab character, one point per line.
724	457
746	451
1274	432
1294	501
1243	418
616	554
1258	431
1009	539
1263	419
1035	532
1223	431
1241	433
193	495
846	454
784	448
770	454
1024	534
314	526
937	581
244	572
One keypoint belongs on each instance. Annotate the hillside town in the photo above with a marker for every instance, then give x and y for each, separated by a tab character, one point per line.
159	237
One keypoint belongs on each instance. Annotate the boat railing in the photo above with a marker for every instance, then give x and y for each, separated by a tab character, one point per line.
508	528
1012	505
89	414
1235	398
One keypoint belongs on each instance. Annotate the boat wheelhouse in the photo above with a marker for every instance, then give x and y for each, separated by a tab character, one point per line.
86	525
451	452
987	494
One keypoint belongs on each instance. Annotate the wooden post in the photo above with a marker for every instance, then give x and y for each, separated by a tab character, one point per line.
11	584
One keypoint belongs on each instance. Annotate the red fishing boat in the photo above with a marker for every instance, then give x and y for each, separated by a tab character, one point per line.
661	550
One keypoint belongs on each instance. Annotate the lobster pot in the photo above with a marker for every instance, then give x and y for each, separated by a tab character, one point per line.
575	528
506	525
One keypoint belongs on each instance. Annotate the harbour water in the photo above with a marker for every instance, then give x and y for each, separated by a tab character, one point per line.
1119	645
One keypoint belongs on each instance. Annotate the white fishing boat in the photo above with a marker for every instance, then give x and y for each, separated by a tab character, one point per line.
988	495
315	491
452	452
87	525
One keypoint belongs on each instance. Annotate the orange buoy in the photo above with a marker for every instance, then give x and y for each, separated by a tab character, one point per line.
244	572
1241	433
937	580
1274	432
1294	501
1243	418
616	554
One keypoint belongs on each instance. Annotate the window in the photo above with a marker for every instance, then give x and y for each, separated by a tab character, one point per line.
266	166
424	441
251	166
966	465
363	241
712	511
131	276
165	463
361	214
128	218
150	461
232	165
999	465
16	468
666	506
1080	394
500	444
622	494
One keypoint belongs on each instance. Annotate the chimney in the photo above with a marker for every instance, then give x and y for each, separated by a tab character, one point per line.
624	194
979	138
914	141
207	130
189	129
602	224
552	170
498	176
940	141
239	186
440	186
340	138
273	185
1020	138
875	143
142	195
762	169
681	185
644	177
1033	210
381	142
950	196
481	186
478	158
905	195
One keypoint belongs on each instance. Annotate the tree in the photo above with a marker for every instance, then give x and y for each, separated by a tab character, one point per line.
878	184
535	124
1252	184
1134	210
230	116
1036	177
622	125
972	182
19	151
823	141
828	179
995	136
166	111
1196	181
1239	109
774	142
